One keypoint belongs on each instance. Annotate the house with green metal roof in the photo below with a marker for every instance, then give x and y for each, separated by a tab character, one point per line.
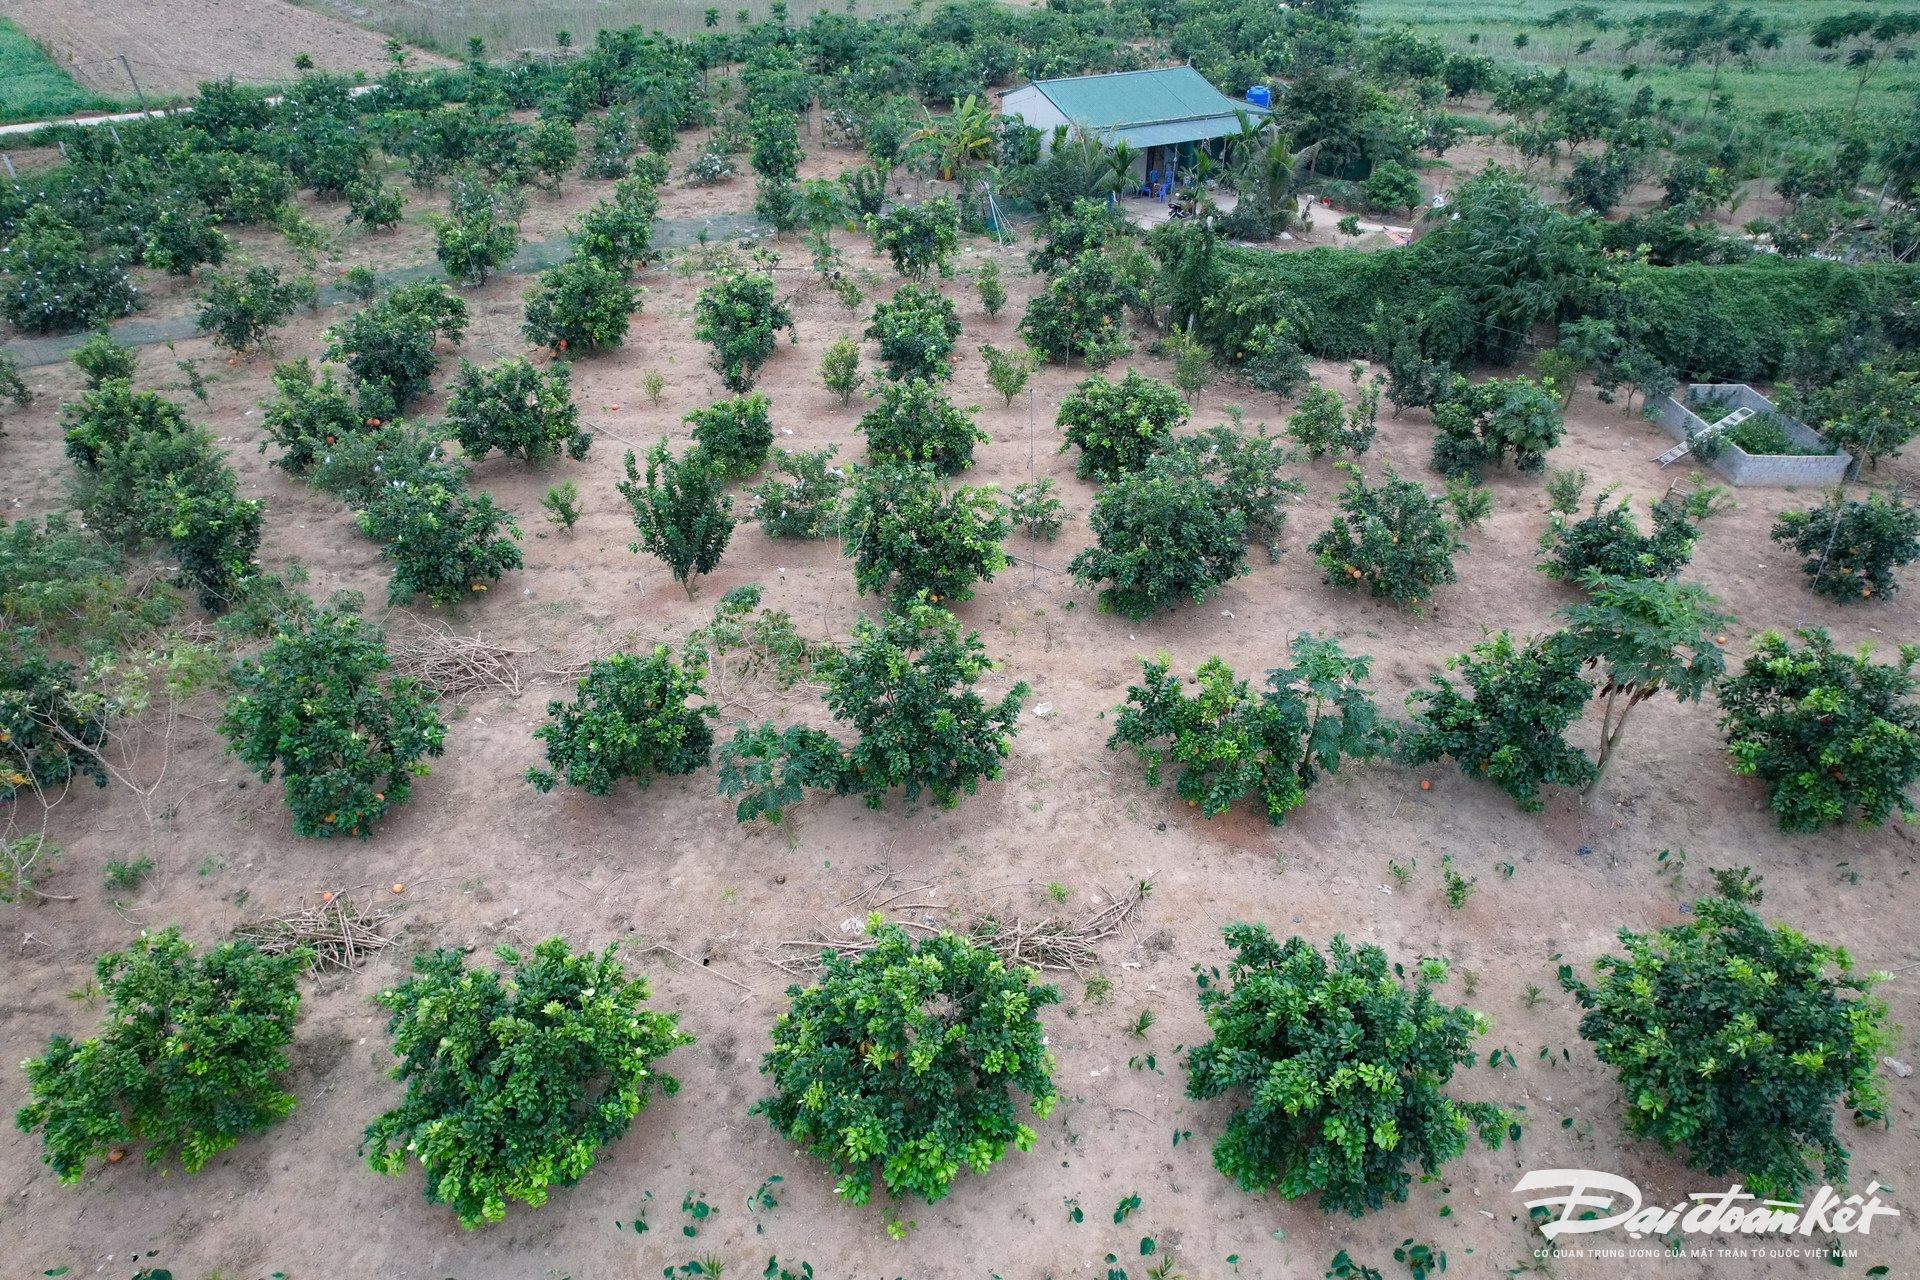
1160	107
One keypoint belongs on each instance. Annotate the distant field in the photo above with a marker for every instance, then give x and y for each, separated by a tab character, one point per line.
1791	77
506	26
31	86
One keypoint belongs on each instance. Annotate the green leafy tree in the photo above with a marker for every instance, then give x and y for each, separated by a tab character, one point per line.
840	368
1834	735
580	305
310	706
910	421
618	233
52	732
1852	548
1649	637
1007	371
1608	543
1085	226
1161	536
1864	40
916	329
51	281
739	314
474	246
909	535
681	511
442	541
1480	425
905	684
389	346
1714	34
918	238
807	503
1872	410
374	205
629	718
1392	186
1511	731
735	434
1227	742
189	1057
1324	425
1120	425
519	410
551	150
1776	1028
239	311
1392	538
993	294
1079	313
1034	510
907	1060
514	1081
307	415
102	359
1245	471
1344	1068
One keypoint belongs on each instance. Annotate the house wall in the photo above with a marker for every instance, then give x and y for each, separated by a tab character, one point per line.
1032	106
1738	467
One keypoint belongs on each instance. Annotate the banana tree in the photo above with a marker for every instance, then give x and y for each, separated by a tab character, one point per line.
958	140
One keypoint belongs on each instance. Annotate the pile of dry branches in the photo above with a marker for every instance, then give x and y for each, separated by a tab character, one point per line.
1046	943
339	934
455	665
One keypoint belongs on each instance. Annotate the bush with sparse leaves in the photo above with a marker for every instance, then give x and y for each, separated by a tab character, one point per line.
1007	371
907	1060
905	684
1774	1029
1289	1025
189	1059
840	368
681	511
1227	742
239	311
1607	542
1324	425
1034	510
101	359
515	1080
309	705
807	503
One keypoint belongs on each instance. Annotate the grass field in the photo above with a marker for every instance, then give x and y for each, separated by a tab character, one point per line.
446	24
1791	78
31	86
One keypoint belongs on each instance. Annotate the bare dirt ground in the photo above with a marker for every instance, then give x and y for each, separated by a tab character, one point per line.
485	860
175	45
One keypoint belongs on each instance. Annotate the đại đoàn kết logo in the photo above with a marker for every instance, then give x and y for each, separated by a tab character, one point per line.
1615	1202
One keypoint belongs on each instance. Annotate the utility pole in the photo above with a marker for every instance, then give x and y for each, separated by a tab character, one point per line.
128	68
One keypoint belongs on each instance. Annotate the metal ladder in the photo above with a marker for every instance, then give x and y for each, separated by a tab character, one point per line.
1685	447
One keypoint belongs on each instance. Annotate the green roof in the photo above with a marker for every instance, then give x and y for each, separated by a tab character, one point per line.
1161	103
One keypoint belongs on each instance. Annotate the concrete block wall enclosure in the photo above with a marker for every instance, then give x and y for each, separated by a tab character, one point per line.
1738	467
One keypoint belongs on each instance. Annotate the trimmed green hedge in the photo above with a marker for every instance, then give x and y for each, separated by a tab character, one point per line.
1735	323
1725	323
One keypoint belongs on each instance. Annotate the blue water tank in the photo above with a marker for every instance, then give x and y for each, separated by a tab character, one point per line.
1260	96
